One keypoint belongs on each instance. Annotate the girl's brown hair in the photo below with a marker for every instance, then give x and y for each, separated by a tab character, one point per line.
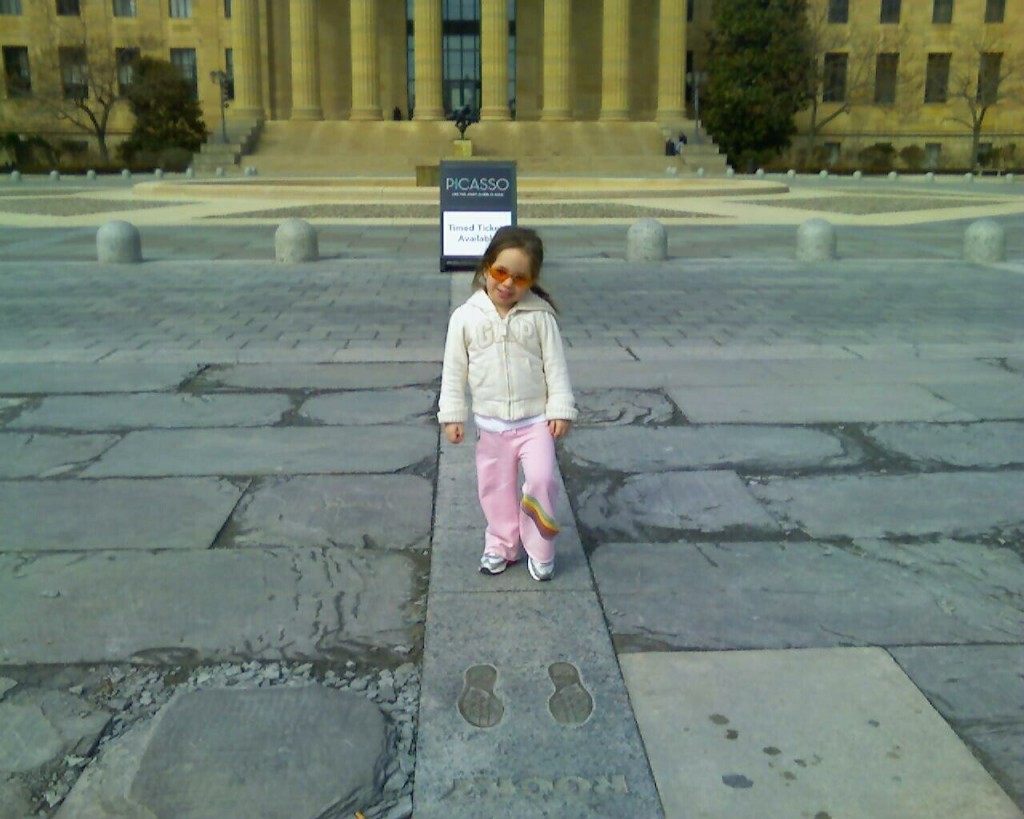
520	238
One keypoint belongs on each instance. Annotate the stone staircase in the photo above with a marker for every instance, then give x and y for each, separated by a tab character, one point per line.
542	148
242	137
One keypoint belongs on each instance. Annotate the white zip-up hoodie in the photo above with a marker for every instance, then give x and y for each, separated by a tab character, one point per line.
515	366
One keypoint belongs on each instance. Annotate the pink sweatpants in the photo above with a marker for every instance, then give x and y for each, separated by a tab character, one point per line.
512	520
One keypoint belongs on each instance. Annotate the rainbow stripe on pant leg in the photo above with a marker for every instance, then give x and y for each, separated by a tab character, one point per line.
545	523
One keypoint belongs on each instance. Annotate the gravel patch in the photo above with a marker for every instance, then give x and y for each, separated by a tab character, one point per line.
78	207
867	205
555	210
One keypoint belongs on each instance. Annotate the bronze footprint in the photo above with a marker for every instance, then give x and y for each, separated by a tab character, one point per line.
571	704
478	703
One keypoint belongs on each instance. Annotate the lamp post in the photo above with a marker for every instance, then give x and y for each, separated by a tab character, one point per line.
695	79
221	78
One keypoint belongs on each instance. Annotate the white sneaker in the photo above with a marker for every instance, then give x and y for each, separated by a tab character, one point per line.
541	571
492	564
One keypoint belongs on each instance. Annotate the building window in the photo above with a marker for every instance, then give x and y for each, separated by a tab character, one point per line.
16	73
890	11
833	153
68	8
185	60
73	72
124	8
838	11
834	78
886	68
127	58
995	11
227	9
936	83
10	6
689	11
988	77
986	154
942	11
181	8
932	154
229	69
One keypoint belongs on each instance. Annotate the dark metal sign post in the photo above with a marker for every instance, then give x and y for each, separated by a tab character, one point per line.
477	198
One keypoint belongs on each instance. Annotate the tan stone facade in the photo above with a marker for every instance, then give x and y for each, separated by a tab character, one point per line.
571	60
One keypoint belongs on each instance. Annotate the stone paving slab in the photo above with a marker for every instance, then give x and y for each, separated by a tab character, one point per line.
658	506
363	375
783	595
266	451
77	515
986	401
356	407
45	377
269	753
889	371
254	752
982	445
530	762
26	455
804	404
211	605
39	726
363	511
952	504
979	690
142	411
819	733
616	407
632	449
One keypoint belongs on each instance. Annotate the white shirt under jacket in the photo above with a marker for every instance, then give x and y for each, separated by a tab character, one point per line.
515	366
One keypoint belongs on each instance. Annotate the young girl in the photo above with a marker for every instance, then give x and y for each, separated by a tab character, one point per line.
504	342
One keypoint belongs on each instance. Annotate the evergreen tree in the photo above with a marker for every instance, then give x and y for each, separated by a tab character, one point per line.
759	65
167	114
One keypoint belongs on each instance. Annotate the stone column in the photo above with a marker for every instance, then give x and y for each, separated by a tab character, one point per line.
365	66
557	51
615	61
302	23
494	59
245	27
671	60
427	45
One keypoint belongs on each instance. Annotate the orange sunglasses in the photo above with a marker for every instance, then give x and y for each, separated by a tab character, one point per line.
501	275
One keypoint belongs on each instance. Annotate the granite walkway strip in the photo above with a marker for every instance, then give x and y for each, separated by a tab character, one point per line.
523	709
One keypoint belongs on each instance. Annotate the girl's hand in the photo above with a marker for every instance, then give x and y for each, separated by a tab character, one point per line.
559	428
454	433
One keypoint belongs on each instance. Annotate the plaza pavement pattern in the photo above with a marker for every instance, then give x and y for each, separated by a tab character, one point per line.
237	565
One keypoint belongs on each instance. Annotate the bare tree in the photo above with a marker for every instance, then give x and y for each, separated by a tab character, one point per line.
985	76
89	73
842	72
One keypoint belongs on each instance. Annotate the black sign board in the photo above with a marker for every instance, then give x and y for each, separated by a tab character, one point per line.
477	198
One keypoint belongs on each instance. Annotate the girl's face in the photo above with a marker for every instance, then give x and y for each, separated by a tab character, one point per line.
513	265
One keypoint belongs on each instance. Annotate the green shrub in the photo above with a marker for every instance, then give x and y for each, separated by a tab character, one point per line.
912	157
877	158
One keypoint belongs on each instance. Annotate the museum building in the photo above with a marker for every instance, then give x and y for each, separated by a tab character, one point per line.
569	80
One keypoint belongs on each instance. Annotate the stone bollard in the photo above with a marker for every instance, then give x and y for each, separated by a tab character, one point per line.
759	172
791	173
295	241
15	176
968	177
815	241
90	175
190	172
700	172
1008	177
823	174
126	174
118	242
893	175
158	173
985	242
730	171
219	172
55	176
930	176
646	241
857	174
